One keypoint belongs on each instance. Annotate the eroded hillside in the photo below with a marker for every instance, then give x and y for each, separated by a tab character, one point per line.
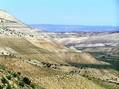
48	64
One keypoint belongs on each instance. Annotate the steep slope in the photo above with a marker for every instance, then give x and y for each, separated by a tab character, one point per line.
18	38
33	53
14	80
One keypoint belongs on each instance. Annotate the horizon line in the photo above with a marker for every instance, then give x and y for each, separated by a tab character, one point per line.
74	25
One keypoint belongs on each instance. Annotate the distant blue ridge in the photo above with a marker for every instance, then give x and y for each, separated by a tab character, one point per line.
74	28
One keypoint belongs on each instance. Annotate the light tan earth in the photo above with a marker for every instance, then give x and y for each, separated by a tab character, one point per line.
19	44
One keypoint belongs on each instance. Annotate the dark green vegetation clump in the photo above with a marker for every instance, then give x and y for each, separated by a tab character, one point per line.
14	80
108	57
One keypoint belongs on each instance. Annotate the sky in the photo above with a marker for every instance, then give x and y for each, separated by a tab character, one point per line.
70	12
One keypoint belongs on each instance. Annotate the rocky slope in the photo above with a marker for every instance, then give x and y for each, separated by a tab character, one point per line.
48	64
88	40
14	80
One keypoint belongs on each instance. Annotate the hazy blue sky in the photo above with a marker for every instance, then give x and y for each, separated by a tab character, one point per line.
75	12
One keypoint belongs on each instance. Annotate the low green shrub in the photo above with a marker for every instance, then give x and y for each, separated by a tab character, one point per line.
33	86
26	80
9	86
4	81
21	83
8	77
1	87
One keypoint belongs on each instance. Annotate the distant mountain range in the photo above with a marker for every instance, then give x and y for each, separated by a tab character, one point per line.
33	59
74	28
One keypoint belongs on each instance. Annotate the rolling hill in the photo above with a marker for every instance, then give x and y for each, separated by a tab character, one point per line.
49	65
